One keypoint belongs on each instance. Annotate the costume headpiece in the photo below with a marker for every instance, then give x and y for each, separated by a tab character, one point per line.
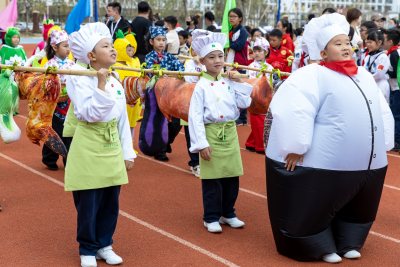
261	42
57	37
47	24
319	31
11	31
157	30
83	41
205	42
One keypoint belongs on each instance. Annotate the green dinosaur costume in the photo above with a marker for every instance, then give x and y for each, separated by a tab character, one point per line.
10	53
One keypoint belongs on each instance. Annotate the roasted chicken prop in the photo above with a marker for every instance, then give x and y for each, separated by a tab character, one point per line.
173	96
42	92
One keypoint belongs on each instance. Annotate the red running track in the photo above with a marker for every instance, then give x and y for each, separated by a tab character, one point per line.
161	215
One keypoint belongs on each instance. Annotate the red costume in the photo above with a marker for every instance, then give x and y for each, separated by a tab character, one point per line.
279	59
287	42
256	138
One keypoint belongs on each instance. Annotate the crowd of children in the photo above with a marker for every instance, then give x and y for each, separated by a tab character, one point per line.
303	139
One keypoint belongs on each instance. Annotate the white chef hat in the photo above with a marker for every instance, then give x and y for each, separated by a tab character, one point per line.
319	31
83	41
261	42
205	42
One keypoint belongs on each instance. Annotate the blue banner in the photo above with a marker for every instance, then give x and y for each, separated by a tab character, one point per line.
78	14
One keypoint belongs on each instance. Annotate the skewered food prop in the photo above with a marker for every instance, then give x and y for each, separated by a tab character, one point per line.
9	130
42	92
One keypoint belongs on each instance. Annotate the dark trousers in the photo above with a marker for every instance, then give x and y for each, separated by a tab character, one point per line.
395	107
314	212
174	127
97	218
242	117
194	157
219	197
243	112
48	156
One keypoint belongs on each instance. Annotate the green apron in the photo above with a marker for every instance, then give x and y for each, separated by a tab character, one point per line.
95	159
70	122
225	155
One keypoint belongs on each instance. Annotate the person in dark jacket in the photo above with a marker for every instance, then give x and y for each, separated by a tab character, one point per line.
238	49
140	26
115	20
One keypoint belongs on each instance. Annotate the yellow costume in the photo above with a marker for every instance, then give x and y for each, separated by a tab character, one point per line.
123	59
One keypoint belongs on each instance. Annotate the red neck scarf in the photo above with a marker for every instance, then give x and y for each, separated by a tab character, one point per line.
346	67
392	49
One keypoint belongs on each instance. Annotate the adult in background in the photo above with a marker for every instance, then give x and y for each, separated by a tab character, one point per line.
140	26
192	23
287	33
238	49
172	36
392	23
209	20
379	20
354	17
115	20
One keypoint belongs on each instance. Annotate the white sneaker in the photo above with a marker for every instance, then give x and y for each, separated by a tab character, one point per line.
196	170
332	258
213	227
88	261
109	256
352	254
233	222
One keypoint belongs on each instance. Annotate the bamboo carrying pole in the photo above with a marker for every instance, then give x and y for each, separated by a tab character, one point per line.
174	73
241	66
50	71
94	73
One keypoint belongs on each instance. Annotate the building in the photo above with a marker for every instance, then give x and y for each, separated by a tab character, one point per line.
297	10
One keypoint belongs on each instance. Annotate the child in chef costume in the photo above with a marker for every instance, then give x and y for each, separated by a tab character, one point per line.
101	151
214	107
330	132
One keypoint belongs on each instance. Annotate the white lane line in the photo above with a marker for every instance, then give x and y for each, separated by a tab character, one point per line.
26	167
186	171
385	237
392	187
179	240
393	155
132	218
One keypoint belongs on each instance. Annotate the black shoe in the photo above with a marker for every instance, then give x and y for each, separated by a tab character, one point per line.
251	149
169	148
161	157
52	167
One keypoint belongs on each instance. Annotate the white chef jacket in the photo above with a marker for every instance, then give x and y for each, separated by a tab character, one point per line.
214	101
192	66
94	105
322	114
